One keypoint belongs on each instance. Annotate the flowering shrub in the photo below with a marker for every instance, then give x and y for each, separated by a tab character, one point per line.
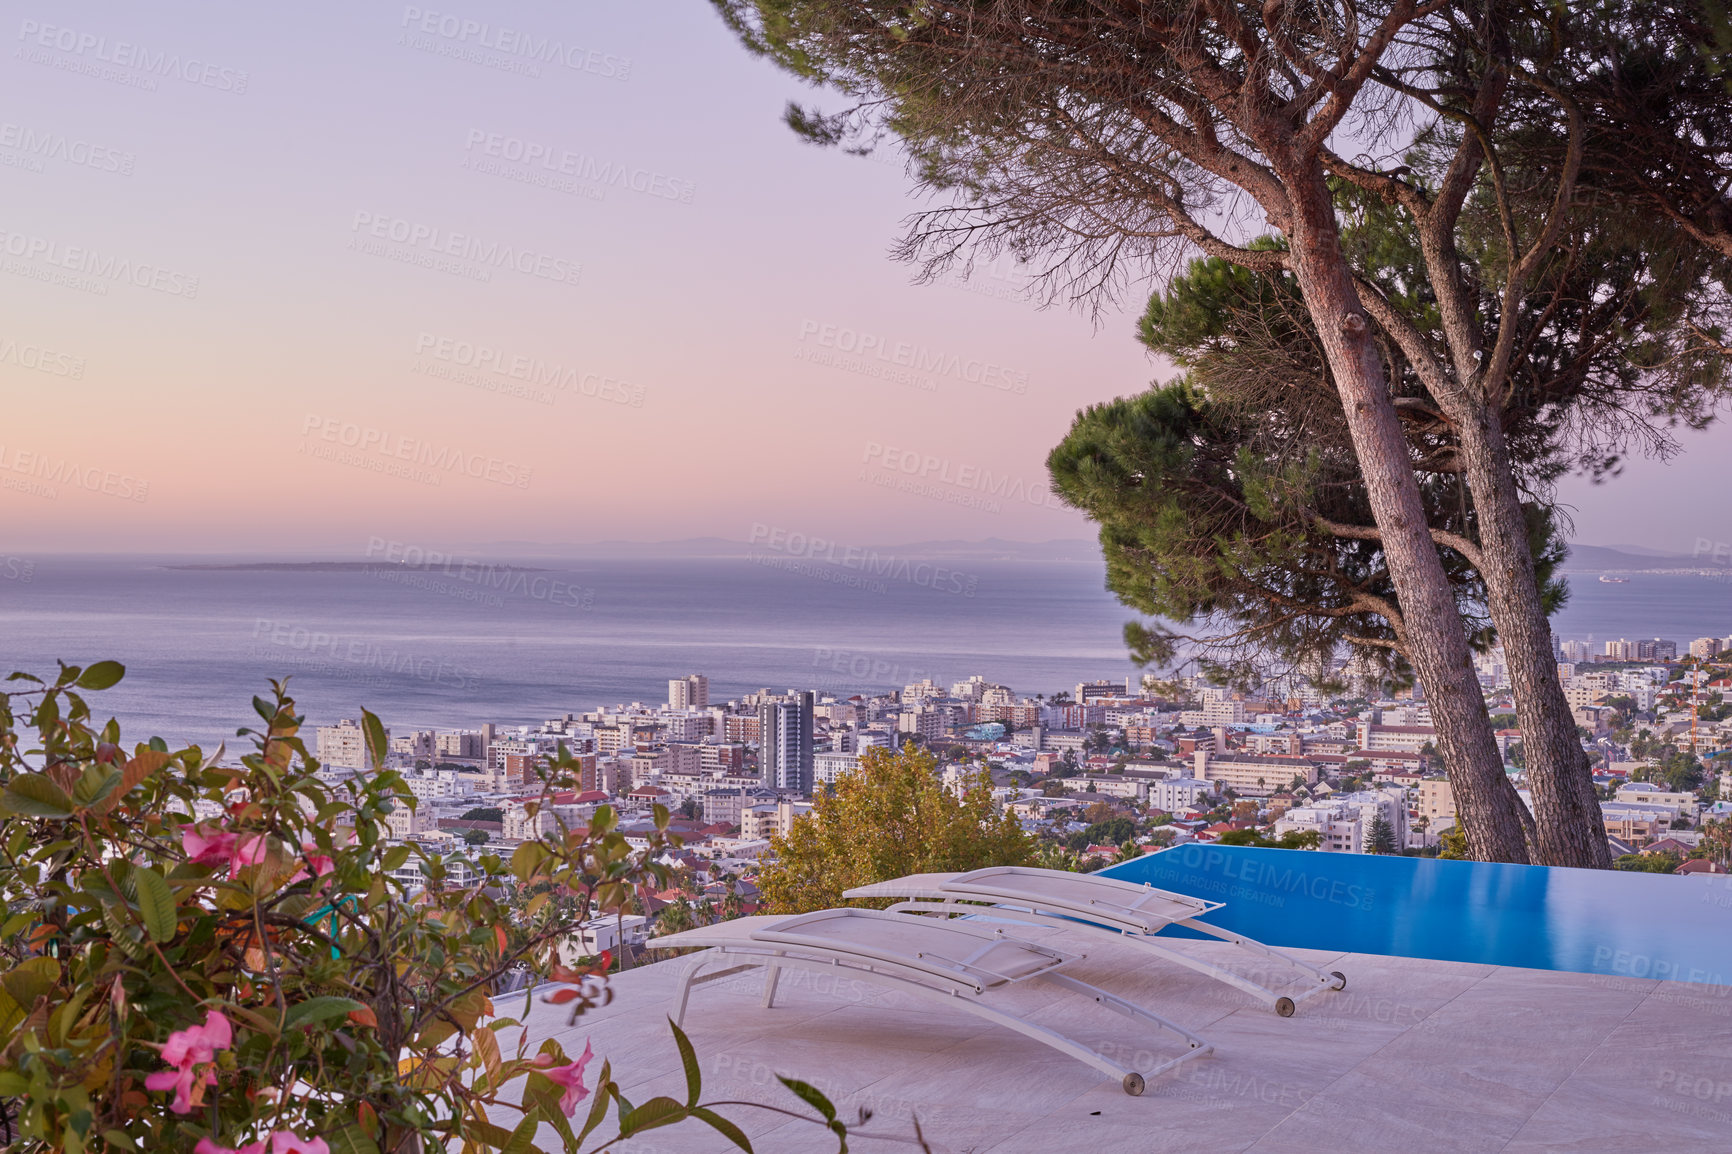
221	958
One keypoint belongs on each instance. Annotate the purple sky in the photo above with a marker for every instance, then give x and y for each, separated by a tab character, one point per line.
296	278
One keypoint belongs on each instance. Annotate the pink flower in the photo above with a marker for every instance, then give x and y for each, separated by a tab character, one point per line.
186	1049
321	865
281	1142
207	848
206	1146
215	847
571	1077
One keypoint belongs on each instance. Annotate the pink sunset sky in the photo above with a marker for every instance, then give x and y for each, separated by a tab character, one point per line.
292	278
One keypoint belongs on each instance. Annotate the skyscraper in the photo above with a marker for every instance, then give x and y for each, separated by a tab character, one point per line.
689	692
785	742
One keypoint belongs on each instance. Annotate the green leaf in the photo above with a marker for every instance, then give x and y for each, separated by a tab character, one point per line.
101	675
523	1138
662	1111
34	795
320	1009
689	1059
727	1129
810	1095
598	1109
95	784
394	858
30	980
377	745
155	902
351	1139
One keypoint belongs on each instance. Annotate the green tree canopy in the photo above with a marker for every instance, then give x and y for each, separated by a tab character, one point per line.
890	816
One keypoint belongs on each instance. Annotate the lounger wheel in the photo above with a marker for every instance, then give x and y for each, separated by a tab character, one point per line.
1134	1084
1340	982
1285	1007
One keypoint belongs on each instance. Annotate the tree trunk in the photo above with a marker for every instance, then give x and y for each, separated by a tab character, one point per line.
1569	829
1486	804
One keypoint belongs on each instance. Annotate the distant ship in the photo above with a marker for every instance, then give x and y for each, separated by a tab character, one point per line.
1609	580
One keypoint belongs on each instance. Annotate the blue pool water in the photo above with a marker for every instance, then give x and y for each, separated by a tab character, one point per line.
1586	921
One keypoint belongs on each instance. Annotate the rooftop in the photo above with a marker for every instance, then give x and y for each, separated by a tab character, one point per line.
1414	1054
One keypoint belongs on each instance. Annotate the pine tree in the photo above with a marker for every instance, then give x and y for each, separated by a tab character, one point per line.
1381	837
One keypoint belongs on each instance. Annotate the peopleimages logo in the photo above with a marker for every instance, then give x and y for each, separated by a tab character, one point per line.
942	470
65	471
512	42
40	359
917	358
505	579
532	371
387	446
38	145
87	46
103	266
336	649
579	166
867	561
440	242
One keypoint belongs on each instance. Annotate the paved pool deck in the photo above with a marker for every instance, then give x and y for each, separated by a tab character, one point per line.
1414	1055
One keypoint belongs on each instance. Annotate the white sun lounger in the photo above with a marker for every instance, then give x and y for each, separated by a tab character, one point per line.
1089	903
966	967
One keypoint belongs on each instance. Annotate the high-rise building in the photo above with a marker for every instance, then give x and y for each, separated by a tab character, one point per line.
785	742
343	746
691	692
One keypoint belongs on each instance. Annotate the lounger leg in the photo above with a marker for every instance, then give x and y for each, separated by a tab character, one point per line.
771	974
685	990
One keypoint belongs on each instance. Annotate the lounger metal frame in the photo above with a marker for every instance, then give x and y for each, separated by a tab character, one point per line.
957	983
974	894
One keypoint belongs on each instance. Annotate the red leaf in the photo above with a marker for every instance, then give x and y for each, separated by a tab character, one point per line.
364	1017
560	997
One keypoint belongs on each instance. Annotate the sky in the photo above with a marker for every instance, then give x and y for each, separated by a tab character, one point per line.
297	279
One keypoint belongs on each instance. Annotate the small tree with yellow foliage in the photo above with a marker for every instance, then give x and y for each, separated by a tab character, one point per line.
888	817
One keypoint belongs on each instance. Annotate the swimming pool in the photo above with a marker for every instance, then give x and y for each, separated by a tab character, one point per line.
1587	921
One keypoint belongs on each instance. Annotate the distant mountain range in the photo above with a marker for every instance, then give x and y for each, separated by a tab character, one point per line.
989	549
1628	558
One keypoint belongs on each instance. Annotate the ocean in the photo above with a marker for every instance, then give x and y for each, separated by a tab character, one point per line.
456	648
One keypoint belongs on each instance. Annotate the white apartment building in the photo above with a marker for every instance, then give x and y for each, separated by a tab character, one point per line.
405	823
927	722
685	725
415	745
1436	803
1647	793
692	692
1176	794
1253	774
1405	738
465	745
827	767
1113	785
773	819
436	784
343	745
1343	823
604	933
1217	712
